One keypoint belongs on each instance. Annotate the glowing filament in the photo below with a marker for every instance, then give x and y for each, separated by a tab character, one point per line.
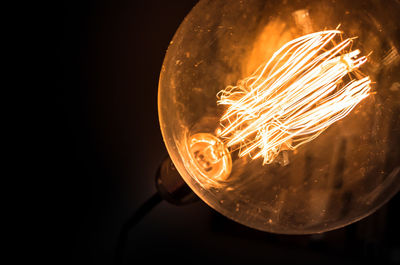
293	97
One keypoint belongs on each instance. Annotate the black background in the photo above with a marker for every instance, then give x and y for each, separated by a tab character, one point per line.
107	145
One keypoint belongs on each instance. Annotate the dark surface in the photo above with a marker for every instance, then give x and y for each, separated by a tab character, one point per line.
107	147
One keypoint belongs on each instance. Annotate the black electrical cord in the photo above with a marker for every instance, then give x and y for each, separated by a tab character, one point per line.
171	188
136	217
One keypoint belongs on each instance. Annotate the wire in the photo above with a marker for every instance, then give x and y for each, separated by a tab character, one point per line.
137	216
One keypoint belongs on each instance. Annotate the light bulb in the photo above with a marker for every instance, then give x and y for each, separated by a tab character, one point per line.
284	115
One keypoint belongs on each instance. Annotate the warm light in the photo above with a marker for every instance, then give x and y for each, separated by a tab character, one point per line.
294	96
281	120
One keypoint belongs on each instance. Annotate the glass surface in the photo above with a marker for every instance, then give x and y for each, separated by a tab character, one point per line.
343	175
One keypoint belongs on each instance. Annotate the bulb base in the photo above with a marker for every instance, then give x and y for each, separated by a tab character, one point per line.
171	186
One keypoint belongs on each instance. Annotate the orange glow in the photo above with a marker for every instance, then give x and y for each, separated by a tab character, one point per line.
293	97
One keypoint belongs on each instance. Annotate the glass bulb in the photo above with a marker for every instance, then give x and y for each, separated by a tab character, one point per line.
285	115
